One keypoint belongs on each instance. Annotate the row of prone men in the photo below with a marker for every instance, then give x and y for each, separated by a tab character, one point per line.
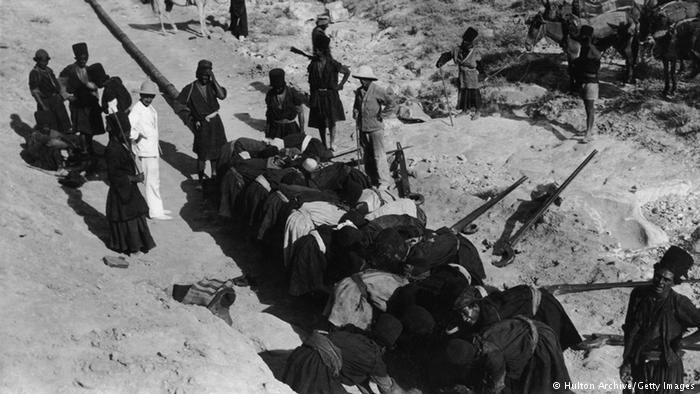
388	282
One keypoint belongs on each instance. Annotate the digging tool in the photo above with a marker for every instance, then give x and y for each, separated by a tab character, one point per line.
596	340
566	288
127	145
300	52
358	149
506	252
447	99
473	215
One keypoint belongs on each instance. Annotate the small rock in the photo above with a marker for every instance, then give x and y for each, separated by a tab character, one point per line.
115	262
461	158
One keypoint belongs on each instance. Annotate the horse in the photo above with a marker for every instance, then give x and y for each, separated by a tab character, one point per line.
661	18
680	42
617	29
161	7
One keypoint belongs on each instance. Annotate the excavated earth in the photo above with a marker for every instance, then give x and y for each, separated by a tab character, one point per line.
72	324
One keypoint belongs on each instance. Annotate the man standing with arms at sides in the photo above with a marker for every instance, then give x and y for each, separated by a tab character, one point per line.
46	91
202	98
325	105
284	105
144	137
85	110
586	68
466	57
656	319
371	103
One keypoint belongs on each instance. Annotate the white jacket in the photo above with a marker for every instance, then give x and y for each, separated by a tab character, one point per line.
144	120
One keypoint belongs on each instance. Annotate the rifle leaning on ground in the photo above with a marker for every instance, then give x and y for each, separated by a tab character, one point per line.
357	149
507	252
566	288
300	52
473	215
596	340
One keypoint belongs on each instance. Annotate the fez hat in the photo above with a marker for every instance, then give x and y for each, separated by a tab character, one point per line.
460	352
203	65
387	330
97	73
80	49
677	261
417	321
470	34
277	78
586	31
365	72
148	88
41	54
323	20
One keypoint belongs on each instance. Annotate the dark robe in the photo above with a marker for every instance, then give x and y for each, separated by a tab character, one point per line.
239	19
653	331
126	208
508	358
307	265
406	225
306	372
518	301
85	111
49	89
281	115
114	90
210	135
325	107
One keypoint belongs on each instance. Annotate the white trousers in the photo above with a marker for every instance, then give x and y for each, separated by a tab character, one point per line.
151	172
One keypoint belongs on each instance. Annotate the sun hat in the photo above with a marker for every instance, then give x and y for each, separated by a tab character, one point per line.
365	72
148	87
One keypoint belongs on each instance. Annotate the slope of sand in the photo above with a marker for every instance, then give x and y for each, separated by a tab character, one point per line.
73	323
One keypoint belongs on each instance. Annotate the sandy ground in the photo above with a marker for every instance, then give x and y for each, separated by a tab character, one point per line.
71	323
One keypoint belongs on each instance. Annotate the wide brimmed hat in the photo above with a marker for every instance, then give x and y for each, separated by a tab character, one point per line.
323	20
470	35
149	88
97	73
365	72
41	54
277	78
80	49
677	261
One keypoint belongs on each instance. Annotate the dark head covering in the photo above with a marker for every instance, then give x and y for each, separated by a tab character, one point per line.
468	297
417	321
203	66
677	261
294	178
351	192
388	250
43	119
316	149
470	34
355	217
420	268
41	54
277	78
80	49
460	352
97	74
586	31
347	237
387	330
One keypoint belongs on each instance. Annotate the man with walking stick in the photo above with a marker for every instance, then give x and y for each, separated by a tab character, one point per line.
466	56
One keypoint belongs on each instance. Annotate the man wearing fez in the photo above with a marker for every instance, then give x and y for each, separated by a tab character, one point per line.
82	94
284	106
325	107
656	319
466	57
202	98
47	92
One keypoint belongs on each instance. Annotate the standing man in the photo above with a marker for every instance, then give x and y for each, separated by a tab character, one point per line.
284	106
656	319
239	19
144	137
47	92
202	98
318	34
586	68
82	94
325	107
466	57
372	102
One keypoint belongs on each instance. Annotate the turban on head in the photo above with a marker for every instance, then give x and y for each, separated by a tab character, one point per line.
676	260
